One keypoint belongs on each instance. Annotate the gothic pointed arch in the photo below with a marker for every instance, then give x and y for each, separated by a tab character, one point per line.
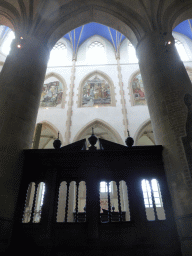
54	92
96	89
48	133
144	134
102	130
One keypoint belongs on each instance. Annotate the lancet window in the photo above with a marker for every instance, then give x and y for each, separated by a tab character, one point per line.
72	202
36	192
153	200
181	50
96	53
132	57
114	203
58	55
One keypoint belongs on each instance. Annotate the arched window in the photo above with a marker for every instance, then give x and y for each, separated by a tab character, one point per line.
181	50
114	203
96	91
104	187
29	203
58	55
72	202
152	199
138	90
96	53
132	53
39	202
5	48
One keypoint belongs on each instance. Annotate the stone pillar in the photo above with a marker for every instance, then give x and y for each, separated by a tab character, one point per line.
21	81
168	92
70	105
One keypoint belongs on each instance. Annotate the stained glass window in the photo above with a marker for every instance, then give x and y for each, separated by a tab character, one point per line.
96	91
132	57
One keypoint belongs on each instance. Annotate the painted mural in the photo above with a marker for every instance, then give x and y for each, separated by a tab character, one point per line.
138	90
96	91
51	95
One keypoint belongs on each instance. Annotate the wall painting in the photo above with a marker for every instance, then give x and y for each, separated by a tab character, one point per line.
96	91
51	95
138	90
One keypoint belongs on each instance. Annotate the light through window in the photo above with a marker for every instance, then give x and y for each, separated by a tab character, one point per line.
6	46
147	194
96	53
153	200
181	50
104	187
132	54
58	55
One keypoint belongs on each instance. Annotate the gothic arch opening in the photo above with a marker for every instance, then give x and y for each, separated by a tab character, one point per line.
144	135
92	13
101	129
44	136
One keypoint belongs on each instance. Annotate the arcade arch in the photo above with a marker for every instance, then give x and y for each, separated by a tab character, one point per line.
101	130
45	134
144	135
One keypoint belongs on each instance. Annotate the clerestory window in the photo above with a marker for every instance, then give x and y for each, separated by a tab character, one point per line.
104	187
58	55
181	50
96	53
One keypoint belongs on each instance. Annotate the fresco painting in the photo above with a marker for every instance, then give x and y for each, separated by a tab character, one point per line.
138	90
96	91
51	95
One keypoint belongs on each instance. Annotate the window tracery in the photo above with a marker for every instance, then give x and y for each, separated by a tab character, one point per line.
58	55
96	53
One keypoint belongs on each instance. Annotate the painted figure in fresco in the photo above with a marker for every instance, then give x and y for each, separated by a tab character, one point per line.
96	92
188	103
138	90
51	95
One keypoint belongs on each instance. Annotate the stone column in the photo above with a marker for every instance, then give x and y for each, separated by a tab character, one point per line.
70	105
168	92
21	81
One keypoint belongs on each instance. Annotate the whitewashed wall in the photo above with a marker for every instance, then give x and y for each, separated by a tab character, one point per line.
136	115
